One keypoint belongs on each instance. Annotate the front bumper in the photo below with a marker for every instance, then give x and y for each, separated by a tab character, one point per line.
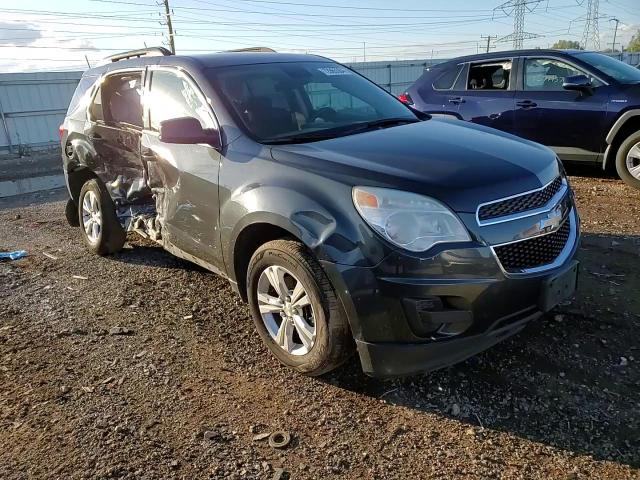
400	359
466	303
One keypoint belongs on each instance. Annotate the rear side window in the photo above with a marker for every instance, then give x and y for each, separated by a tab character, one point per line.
172	96
80	96
446	80
490	76
96	113
119	100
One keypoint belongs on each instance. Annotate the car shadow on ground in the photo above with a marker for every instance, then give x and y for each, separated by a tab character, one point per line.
139	251
569	380
589	170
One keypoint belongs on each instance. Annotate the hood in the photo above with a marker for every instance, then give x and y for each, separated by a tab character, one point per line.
458	163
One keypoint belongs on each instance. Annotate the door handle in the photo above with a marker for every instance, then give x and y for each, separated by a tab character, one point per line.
527	104
456	100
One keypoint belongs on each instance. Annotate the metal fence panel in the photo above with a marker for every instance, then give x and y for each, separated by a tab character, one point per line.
394	77
32	106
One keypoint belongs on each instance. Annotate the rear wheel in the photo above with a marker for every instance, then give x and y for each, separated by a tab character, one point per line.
628	160
295	309
99	224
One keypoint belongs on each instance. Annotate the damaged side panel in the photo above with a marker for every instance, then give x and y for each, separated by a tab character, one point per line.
184	180
166	192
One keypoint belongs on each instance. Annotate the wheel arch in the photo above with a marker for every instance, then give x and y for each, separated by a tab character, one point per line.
625	125
247	241
77	178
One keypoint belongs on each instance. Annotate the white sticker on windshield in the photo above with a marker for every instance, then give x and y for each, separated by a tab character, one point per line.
333	71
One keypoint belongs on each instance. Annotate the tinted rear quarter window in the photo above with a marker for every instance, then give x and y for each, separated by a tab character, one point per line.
80	96
447	78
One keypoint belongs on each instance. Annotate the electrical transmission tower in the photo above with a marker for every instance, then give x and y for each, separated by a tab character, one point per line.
518	10
591	33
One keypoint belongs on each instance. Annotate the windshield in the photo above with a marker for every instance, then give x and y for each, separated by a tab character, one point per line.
306	101
616	69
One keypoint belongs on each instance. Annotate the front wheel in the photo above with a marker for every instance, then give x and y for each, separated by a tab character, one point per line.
295	308
628	160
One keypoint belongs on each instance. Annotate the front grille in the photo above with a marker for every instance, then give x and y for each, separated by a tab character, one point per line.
535	252
522	203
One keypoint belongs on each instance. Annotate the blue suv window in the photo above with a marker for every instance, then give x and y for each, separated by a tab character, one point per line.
548	74
446	80
490	76
616	69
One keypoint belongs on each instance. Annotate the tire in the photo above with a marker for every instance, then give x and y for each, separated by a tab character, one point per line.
71	212
108	237
332	343
630	145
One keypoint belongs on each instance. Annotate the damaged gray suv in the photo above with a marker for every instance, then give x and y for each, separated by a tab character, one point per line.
344	218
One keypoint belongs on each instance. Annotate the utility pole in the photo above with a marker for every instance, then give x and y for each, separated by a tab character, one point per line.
489	38
167	12
615	33
364	51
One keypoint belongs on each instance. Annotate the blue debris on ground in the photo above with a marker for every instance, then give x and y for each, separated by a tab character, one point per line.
15	255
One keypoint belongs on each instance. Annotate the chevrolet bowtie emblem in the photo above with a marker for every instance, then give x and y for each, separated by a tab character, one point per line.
552	220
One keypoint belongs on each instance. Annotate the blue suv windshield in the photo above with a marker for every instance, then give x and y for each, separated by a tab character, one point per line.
305	101
616	69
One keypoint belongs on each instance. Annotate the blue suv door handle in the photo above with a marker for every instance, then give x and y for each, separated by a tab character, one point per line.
456	100
527	104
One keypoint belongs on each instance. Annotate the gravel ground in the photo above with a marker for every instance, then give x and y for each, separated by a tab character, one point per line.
141	365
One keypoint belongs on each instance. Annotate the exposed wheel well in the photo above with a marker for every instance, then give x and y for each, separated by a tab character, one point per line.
249	240
630	126
77	178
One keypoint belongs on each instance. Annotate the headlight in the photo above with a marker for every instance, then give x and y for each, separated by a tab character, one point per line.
408	220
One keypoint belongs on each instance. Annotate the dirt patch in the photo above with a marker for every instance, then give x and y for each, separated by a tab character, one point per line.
141	365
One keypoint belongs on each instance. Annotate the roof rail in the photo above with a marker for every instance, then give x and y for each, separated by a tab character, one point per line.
141	52
253	49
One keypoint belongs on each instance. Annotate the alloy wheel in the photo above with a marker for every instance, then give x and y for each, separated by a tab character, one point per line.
633	161
91	216
286	310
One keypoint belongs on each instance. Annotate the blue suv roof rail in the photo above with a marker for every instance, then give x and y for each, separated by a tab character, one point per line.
253	49
141	52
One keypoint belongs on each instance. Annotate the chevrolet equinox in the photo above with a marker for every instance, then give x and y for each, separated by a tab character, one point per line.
345	219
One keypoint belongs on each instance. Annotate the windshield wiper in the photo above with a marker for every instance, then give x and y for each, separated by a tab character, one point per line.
390	122
302	138
340	131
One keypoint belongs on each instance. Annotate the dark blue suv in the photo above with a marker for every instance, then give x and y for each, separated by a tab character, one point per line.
584	105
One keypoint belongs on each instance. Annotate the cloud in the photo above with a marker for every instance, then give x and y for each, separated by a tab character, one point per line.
626	31
16	34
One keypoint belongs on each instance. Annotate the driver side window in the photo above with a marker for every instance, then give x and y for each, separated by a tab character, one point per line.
172	96
546	74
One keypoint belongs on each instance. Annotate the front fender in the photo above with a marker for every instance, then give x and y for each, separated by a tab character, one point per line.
328	228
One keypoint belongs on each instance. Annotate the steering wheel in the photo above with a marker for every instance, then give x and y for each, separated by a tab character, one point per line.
327	114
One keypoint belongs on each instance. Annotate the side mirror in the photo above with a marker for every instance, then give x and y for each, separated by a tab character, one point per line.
580	83
187	130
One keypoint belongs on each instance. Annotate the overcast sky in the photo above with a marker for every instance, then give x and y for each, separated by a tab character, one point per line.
46	35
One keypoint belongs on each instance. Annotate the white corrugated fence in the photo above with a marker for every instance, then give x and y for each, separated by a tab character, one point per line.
32	105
